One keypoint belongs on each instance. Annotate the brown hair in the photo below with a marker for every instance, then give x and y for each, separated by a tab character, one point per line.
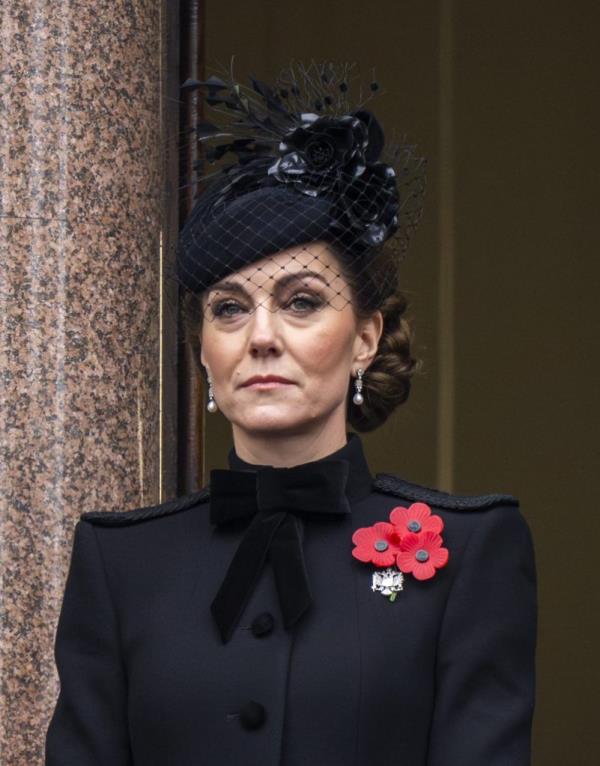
387	381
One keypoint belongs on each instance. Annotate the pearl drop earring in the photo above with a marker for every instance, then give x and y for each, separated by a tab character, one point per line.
212	405
358	398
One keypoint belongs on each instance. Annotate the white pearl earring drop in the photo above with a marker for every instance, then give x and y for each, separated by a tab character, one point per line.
211	405
358	398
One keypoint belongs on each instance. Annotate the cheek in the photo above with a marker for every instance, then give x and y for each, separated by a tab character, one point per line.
219	356
326	352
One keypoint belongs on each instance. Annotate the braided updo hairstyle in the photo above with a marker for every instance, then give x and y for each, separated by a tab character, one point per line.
386	382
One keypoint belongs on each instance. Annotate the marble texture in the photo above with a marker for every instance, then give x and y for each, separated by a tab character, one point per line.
81	173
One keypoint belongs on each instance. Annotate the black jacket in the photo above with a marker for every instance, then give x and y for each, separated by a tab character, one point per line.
443	676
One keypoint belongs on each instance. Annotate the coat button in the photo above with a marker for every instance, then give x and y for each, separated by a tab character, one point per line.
252	715
262	624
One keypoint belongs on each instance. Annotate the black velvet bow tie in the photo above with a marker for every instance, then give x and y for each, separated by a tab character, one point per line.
277	499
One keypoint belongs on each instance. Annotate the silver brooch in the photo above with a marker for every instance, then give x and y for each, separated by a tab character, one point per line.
388	582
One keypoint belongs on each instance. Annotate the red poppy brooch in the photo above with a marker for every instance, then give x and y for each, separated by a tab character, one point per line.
410	543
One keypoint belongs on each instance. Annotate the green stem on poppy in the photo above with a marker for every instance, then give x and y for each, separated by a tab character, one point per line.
393	596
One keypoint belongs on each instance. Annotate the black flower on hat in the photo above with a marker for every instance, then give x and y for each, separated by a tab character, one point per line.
314	155
368	205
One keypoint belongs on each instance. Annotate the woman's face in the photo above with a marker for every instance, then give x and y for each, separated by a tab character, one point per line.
288	315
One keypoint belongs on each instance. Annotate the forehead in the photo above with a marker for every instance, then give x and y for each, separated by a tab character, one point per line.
315	256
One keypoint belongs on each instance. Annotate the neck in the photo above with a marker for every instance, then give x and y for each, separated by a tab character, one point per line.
284	449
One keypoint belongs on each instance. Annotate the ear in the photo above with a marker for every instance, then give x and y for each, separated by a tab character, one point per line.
204	367
367	340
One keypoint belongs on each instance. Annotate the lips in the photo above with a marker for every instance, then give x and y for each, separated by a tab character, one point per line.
265	379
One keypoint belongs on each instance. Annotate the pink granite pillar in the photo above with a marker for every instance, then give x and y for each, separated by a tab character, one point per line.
81	196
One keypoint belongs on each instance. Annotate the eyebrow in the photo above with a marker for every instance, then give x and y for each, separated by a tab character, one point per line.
281	283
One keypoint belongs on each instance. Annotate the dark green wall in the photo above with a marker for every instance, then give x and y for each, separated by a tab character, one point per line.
527	279
503	277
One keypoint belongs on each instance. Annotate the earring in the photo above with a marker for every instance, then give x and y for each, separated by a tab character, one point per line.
212	405
358	398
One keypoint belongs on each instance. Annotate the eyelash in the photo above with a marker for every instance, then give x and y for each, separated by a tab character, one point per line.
313	301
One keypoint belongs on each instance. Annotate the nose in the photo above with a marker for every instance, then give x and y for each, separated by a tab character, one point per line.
264	339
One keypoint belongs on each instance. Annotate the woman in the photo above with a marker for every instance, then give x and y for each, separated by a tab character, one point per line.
298	610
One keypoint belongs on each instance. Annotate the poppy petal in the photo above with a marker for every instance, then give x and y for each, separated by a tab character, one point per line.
410	541
399	516
362	536
424	571
439	558
419	511
362	554
382	528
384	559
406	561
435	524
431	540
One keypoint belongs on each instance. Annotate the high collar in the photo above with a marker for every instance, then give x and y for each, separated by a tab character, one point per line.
359	476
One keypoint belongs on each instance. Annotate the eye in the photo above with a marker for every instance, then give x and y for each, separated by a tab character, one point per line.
304	303
226	308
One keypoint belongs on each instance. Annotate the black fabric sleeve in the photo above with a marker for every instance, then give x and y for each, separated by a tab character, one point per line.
89	724
485	668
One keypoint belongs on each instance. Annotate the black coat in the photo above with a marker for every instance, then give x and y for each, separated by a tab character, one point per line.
443	676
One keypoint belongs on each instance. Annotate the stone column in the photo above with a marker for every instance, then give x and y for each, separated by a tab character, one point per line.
81	198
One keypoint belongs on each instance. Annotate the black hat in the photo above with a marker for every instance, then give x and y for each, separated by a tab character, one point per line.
308	167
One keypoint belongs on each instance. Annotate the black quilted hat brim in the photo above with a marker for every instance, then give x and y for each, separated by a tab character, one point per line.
220	239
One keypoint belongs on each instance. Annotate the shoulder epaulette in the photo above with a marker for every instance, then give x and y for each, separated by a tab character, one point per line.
394	485
124	518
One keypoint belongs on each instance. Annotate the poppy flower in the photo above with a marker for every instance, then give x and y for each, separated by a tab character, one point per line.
379	544
416	518
421	554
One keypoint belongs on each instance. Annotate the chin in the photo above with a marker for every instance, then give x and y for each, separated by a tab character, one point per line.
274	417
273	421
